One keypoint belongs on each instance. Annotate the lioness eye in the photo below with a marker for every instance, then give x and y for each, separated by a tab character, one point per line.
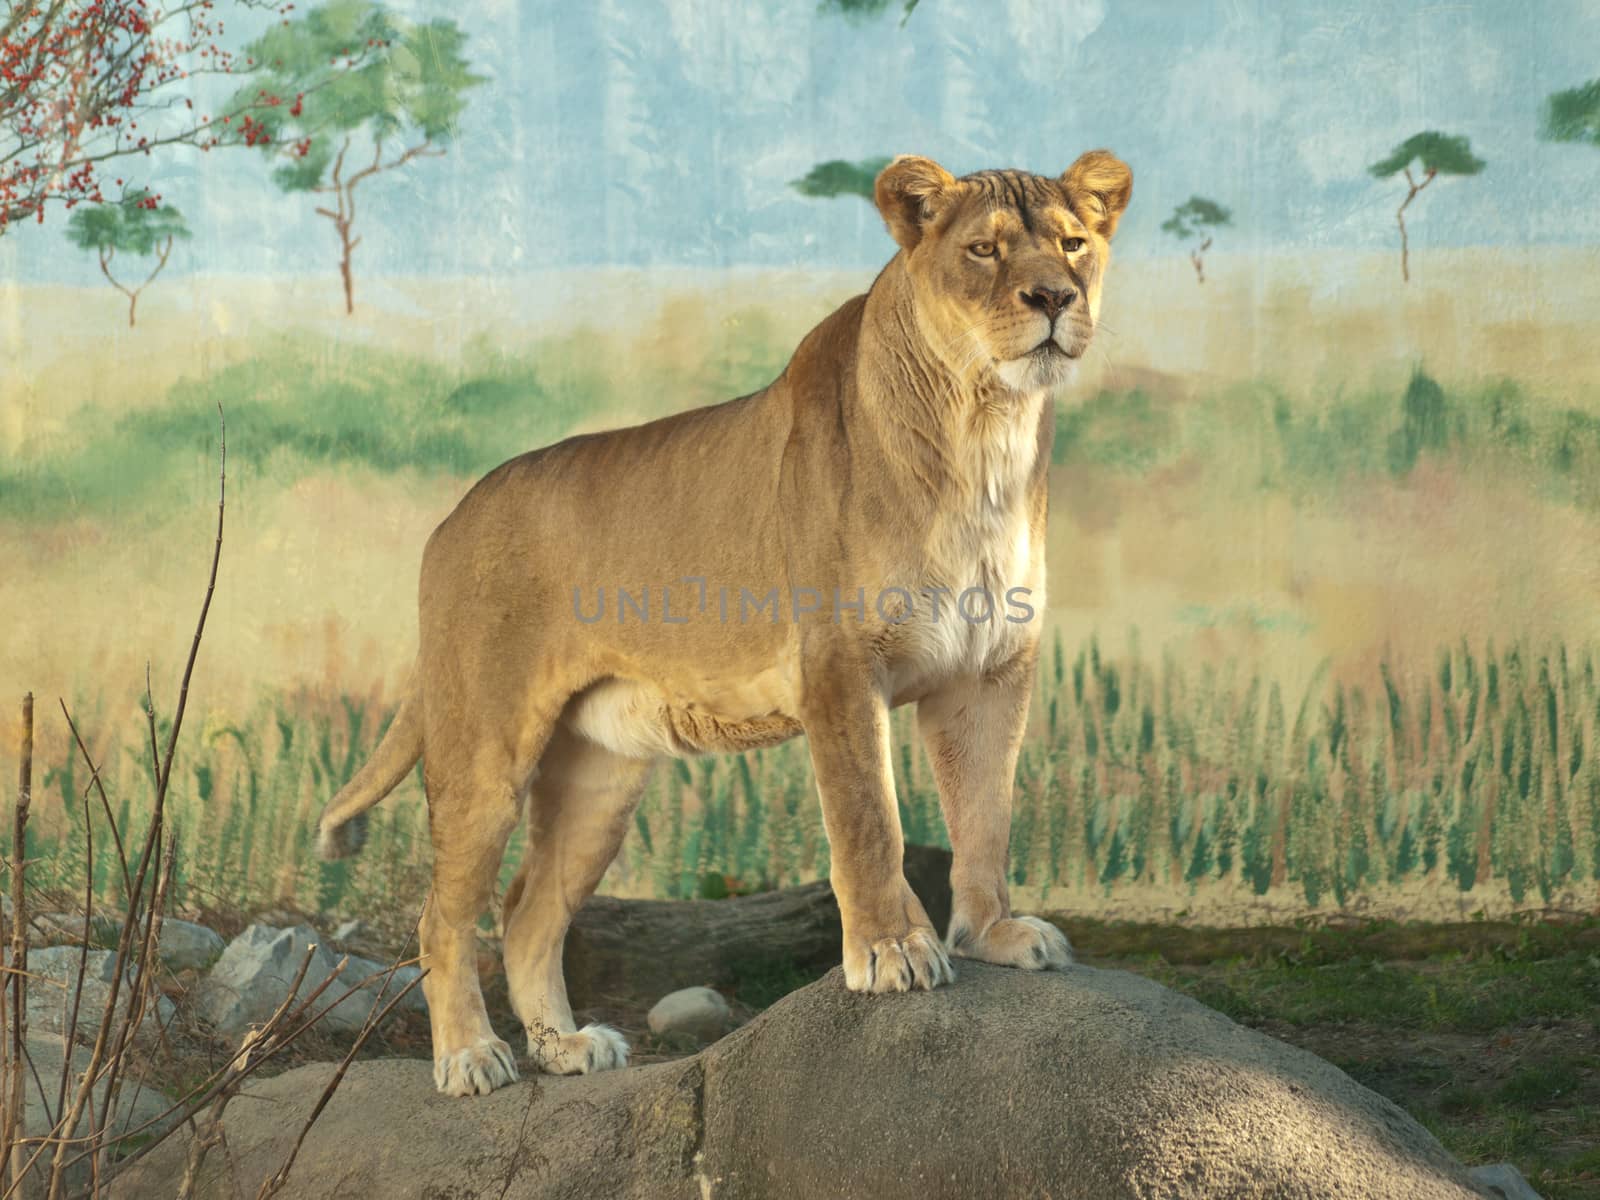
982	249
1071	245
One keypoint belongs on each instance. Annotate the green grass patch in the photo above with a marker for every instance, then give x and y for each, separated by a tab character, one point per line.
1311	942
1474	995
761	983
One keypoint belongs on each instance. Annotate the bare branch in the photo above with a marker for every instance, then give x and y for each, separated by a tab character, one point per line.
205	608
16	1045
150	719
105	801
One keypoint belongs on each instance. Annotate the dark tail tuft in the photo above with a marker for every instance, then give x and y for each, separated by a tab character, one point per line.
343	841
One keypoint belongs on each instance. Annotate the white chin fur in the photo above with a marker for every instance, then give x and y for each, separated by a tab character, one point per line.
1031	374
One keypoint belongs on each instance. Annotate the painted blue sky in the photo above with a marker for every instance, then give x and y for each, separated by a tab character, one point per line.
666	132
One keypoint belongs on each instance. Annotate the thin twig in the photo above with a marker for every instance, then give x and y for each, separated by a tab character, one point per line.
150	720
205	607
105	802
18	979
70	1025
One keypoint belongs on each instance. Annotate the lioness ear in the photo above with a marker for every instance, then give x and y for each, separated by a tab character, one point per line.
904	194
1099	185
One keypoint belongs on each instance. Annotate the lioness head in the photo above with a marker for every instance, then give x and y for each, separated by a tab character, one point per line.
1006	267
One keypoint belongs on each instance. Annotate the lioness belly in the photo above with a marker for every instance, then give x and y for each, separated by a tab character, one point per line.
640	720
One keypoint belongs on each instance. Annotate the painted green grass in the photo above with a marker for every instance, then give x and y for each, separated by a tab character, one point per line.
1326	439
1485	768
1133	775
301	405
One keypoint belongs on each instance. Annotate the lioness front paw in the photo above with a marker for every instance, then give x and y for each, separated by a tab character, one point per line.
477	1070
593	1048
1025	942
897	964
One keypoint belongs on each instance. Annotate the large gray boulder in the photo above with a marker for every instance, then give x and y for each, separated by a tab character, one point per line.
182	944
252	979
185	945
1082	1085
55	971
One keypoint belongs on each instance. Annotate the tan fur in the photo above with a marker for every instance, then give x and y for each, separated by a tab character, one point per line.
904	450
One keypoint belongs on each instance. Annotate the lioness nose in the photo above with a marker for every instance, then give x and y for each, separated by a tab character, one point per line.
1050	301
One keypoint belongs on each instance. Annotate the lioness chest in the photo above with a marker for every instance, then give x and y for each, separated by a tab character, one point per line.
967	598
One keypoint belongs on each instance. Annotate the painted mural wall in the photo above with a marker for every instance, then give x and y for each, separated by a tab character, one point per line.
1324	623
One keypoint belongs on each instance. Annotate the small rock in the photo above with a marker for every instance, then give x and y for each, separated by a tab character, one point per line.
349	930
1502	1179
252	979
50	994
699	1012
184	945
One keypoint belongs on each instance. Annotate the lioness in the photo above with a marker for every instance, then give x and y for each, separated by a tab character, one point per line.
866	532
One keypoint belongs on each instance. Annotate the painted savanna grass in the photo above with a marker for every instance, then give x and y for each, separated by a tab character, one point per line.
1483	768
1320	441
1134	775
1475	770
302	404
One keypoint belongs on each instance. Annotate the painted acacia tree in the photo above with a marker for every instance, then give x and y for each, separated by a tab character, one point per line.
1573	115
1197	217
869	8
84	83
836	177
1435	154
137	225
352	91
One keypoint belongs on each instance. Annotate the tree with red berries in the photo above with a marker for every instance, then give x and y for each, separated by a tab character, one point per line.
139	225
87	82
352	91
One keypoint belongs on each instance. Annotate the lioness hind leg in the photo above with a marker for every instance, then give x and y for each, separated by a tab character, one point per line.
578	811
472	811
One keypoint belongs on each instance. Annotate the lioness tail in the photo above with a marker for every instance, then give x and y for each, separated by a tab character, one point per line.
343	828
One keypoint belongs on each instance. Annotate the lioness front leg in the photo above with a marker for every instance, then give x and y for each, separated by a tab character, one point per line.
889	943
972	729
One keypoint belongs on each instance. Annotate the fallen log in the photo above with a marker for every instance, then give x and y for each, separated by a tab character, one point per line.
642	949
